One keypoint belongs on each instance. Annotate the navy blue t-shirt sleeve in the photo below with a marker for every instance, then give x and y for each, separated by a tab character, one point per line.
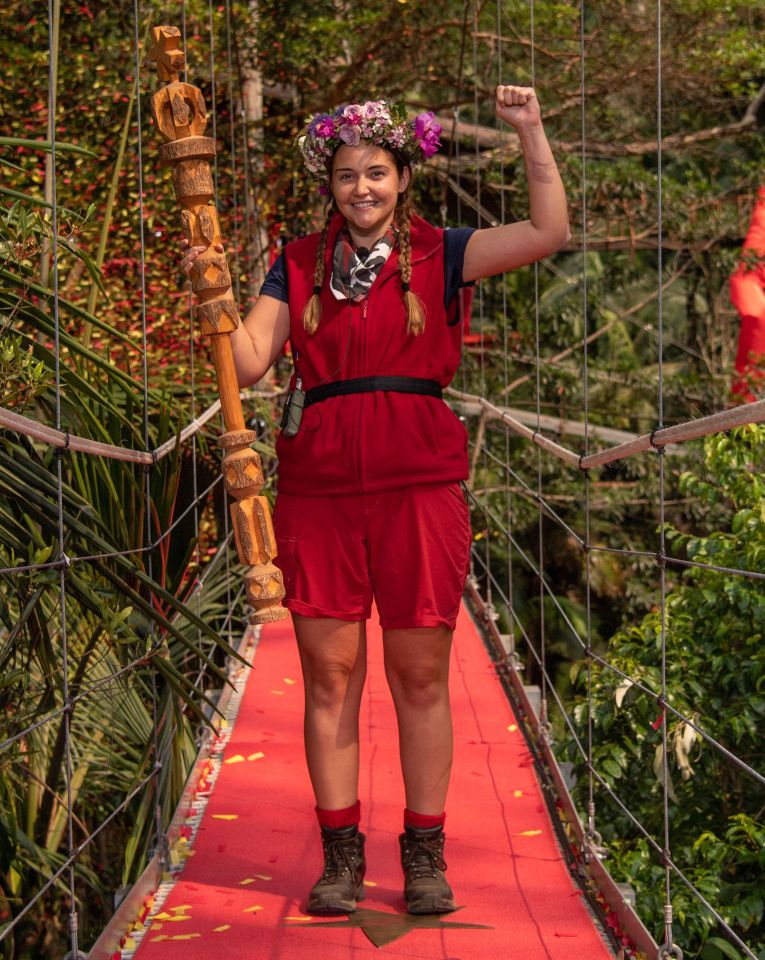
455	241
275	284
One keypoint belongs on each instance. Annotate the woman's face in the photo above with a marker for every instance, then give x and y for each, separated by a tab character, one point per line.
366	185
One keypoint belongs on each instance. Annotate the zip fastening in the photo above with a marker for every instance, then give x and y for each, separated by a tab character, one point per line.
360	433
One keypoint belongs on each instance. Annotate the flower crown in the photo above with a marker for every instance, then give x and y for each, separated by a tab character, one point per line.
378	121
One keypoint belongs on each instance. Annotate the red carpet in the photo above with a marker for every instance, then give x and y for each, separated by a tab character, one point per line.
241	895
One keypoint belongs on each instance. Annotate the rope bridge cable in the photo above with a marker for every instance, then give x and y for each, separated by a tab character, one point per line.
71	697
656	695
29	427
586	461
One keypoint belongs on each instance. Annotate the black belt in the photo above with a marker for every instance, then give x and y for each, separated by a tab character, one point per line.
341	388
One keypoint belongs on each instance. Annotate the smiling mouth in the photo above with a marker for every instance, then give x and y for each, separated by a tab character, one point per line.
365	204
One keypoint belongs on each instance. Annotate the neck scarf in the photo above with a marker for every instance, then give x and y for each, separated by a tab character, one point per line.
354	270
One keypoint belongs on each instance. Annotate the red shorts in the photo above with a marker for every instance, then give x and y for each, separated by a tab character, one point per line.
409	549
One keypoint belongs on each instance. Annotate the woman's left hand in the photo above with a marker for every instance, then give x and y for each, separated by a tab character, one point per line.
518	106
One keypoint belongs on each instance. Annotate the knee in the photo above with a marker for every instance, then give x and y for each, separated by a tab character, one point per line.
326	685
419	685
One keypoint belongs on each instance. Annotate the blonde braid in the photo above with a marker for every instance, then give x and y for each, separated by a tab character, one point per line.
312	309
415	312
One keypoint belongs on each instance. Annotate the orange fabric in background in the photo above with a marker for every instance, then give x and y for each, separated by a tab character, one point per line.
747	295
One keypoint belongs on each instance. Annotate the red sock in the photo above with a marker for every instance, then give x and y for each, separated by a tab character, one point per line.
337	819
423	821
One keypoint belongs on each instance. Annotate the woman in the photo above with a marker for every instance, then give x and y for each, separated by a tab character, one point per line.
370	503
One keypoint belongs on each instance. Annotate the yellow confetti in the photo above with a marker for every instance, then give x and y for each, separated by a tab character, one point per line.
185	936
162	916
177	919
298	918
129	943
183	906
226	926
369	883
256	756
154	927
252	909
246	881
160	938
237	758
262	876
289	682
278	693
225	816
529	833
518	793
223	723
512	728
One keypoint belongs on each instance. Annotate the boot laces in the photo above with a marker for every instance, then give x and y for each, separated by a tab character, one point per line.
340	857
423	857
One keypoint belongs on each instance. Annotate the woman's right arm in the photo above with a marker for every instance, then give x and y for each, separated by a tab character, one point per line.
258	341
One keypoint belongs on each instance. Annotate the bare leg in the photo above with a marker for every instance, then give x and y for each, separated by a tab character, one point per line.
333	658
417	668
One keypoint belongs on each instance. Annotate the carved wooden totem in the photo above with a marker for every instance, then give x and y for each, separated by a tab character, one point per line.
180	115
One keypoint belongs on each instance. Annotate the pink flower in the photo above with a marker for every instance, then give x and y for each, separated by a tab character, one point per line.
350	134
352	113
375	110
396	137
429	144
426	123
427	129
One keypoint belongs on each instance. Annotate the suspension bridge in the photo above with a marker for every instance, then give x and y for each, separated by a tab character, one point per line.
234	857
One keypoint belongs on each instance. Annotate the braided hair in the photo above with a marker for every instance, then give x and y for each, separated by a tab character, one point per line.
312	309
415	311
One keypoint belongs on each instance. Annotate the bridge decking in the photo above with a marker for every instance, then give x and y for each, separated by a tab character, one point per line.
256	853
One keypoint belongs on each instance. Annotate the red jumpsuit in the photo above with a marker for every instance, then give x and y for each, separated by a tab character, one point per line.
369	500
748	297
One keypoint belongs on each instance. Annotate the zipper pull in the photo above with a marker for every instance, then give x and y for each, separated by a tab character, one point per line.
364	304
299	382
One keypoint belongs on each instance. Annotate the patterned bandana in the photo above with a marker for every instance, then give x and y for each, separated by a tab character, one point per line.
355	270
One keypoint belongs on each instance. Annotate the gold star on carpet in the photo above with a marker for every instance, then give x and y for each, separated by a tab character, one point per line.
382	927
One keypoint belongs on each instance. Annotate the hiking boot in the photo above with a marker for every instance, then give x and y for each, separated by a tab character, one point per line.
341	884
422	859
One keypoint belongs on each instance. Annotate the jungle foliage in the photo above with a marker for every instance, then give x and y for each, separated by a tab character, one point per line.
443	57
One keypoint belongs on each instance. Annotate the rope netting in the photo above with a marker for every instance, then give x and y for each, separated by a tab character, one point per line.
493	583
163	659
510	442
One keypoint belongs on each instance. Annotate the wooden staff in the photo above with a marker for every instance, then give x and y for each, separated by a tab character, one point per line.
180	115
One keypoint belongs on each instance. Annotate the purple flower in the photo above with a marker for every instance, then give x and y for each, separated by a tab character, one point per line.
316	121
325	127
323	190
350	134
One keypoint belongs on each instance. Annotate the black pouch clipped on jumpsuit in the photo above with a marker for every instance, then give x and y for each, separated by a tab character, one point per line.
293	410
